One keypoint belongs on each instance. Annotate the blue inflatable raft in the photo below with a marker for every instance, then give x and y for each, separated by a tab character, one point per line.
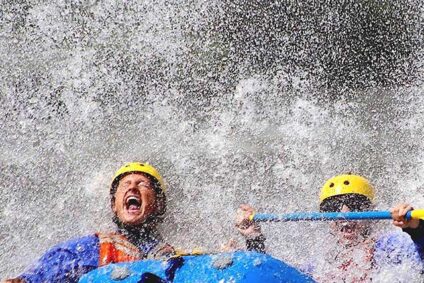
237	267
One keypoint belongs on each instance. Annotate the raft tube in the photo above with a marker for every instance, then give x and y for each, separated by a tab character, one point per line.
237	267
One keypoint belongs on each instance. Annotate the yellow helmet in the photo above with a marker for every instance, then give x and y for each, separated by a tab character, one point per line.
134	167
347	184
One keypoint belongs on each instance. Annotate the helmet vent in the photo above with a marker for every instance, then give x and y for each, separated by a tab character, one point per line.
346	182
331	185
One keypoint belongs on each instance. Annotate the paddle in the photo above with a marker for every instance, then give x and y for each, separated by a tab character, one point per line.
329	216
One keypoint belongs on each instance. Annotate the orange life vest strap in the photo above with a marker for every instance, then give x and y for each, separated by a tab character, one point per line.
116	248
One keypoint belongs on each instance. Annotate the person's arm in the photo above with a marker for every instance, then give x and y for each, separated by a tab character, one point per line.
255	240
66	262
413	227
256	244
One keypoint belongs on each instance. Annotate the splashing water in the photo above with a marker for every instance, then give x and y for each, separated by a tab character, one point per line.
233	102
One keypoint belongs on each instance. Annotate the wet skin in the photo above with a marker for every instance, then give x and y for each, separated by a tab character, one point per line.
398	214
135	199
348	230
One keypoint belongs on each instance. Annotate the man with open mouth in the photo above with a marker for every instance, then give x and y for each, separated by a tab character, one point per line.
138	203
360	251
354	251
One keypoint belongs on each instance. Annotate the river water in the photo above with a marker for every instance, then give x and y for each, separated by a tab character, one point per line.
233	102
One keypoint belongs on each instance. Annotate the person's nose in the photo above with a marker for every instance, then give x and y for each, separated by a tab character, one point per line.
133	186
345	208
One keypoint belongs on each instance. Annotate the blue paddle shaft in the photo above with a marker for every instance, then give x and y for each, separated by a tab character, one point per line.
325	216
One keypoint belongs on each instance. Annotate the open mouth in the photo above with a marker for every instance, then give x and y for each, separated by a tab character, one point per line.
347	227
133	203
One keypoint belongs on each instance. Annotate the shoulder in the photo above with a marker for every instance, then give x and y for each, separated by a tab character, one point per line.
67	258
395	240
78	244
395	247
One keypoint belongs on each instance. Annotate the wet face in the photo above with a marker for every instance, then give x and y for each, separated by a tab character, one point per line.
347	230
135	199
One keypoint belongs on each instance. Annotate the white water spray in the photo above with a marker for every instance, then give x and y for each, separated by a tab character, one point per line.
86	86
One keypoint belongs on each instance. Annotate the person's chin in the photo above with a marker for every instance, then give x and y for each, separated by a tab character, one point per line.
137	222
349	236
133	221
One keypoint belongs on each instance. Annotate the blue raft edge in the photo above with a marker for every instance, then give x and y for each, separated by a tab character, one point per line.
235	267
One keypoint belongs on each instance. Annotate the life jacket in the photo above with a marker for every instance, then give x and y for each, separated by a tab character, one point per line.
115	248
